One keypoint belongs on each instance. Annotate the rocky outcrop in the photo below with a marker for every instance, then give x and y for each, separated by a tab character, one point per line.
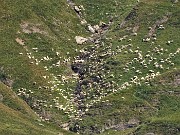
4	78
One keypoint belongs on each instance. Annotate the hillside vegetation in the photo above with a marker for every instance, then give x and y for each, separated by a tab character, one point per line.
89	67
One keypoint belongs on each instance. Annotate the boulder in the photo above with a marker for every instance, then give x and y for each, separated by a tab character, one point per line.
83	22
91	29
82	7
8	82
102	23
96	27
80	40
65	126
77	9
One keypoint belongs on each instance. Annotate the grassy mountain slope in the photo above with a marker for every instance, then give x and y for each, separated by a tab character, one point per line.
18	118
126	81
104	10
33	32
130	62
37	39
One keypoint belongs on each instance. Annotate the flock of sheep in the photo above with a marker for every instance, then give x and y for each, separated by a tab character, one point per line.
95	80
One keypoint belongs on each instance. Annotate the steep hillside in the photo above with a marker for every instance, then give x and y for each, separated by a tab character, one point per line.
37	40
91	67
120	97
18	119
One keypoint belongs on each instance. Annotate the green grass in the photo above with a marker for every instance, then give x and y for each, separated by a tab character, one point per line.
18	118
104	10
139	102
59	22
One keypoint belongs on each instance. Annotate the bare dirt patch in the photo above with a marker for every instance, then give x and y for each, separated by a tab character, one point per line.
32	28
20	41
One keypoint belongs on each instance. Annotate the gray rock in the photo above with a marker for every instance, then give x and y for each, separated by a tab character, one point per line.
133	122
1	97
80	40
77	9
96	27
8	82
65	126
175	1
91	29
83	22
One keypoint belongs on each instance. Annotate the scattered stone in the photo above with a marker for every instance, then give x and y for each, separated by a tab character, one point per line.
82	7
135	29
96	27
80	40
149	134
65	126
102	23
133	122
1	97
77	9
83	22
20	41
8	82
175	1
91	29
